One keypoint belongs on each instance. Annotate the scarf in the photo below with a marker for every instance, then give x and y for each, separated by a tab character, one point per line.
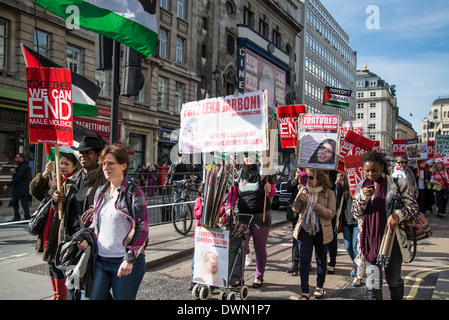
312	222
374	220
250	173
51	213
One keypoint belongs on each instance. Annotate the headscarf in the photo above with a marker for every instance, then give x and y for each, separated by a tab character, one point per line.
312	223
374	220
250	173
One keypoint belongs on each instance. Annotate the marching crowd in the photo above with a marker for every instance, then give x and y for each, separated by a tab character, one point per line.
96	227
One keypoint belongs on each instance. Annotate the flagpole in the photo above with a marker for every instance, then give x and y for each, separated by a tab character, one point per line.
58	179
115	91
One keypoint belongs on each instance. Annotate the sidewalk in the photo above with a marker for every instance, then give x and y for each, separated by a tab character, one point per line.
167	245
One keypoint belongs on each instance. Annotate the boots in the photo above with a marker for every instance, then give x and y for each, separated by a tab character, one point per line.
53	286
397	293
61	290
374	294
293	269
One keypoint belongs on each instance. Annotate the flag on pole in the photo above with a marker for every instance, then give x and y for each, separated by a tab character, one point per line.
84	91
335	97
130	22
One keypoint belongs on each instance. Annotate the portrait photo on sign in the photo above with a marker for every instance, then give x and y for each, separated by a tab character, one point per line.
189	138
318	150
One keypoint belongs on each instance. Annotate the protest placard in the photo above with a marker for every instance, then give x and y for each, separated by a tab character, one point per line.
442	144
211	258
318	143
430	149
413	149
399	149
288	117
354	171
355	126
50	113
353	144
226	124
440	158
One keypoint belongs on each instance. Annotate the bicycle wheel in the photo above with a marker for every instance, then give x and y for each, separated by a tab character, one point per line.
182	216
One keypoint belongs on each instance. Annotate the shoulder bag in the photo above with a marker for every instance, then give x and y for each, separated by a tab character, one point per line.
39	217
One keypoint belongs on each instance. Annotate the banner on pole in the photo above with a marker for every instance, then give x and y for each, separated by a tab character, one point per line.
319	141
50	112
288	117
224	124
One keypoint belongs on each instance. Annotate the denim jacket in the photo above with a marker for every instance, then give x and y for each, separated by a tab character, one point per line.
134	208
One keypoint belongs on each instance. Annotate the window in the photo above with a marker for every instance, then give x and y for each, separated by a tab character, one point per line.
230	8
205	24
165	4
435	114
248	18
372	105
372	126
162	93
360	95
137	143
263	28
179	96
180	50
181	9
3	43
372	94
101	80
163	43
231	44
74	58
359	115
372	137
276	38
42	43
372	115
359	105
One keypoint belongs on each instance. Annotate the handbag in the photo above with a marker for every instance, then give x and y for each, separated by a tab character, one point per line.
39	217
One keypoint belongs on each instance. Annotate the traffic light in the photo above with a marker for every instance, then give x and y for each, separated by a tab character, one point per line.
103	52
133	78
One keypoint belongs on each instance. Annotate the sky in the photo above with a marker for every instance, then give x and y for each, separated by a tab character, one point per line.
404	42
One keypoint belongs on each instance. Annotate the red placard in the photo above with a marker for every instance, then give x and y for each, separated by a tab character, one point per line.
288	124
354	171
399	148
353	144
50	112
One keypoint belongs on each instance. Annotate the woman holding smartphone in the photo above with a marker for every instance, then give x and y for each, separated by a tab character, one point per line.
371	202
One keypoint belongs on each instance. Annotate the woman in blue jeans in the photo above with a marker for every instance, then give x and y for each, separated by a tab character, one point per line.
315	204
121	226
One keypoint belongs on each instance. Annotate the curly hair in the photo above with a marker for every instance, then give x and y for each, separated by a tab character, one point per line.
374	156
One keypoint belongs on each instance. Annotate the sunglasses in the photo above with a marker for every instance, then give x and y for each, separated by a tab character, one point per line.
399	162
310	177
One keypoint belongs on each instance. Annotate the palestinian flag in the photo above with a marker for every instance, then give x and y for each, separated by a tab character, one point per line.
51	153
130	22
335	97
84	91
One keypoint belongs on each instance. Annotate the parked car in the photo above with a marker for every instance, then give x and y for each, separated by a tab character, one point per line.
282	197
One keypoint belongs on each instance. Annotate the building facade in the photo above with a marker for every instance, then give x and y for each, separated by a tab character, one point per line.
376	106
328	60
206	48
437	122
404	130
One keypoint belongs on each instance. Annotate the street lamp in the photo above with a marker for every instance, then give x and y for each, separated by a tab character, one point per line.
216	77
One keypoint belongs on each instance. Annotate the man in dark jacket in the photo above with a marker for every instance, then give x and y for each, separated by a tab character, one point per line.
21	187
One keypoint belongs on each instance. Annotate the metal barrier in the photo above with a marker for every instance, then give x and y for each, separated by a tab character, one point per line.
160	199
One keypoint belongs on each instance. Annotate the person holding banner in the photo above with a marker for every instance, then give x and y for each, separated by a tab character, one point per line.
120	223
47	242
440	182
253	194
372	199
315	203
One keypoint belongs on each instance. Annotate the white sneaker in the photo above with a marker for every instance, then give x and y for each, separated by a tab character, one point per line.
248	259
